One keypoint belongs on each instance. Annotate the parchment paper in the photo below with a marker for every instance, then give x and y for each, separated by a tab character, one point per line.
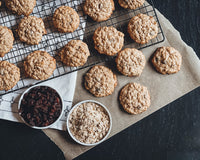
163	89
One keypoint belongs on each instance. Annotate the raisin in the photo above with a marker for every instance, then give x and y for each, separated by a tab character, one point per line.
58	100
28	116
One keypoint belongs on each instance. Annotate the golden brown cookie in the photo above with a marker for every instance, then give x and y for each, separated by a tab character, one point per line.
100	81
75	53
21	7
66	19
167	60
9	75
31	29
134	98
108	40
142	28
99	10
6	40
131	4
39	65
130	62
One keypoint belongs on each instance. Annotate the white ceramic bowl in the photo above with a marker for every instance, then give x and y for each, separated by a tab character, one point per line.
36	127
86	144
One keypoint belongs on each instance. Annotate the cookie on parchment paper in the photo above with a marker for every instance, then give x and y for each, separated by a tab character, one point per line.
100	81
130	62
167	60
39	65
99	10
75	53
131	4
134	98
108	40
21	7
66	19
6	40
142	28
9	75
31	29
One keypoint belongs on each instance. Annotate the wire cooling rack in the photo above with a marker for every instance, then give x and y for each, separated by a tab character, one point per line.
54	41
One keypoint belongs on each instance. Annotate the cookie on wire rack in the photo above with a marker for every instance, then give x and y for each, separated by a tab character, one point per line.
6	40
66	19
99	10
131	4
142	28
39	65
9	75
167	60
130	62
21	7
108	40
134	98
100	81
31	29
75	53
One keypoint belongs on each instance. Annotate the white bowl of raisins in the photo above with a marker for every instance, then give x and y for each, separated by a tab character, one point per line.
40	106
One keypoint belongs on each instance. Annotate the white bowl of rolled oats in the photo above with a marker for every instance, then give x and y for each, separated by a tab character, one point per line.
89	123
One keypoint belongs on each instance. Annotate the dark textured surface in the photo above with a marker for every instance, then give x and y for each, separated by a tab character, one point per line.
172	133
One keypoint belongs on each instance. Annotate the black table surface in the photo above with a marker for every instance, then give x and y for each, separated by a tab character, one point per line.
172	133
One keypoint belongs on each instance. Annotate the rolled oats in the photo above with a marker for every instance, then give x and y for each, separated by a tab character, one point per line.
89	122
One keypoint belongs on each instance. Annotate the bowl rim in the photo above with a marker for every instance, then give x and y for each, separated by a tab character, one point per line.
107	134
26	91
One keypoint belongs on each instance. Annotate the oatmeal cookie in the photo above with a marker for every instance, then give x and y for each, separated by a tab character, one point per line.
21	7
167	60
130	62
9	75
99	10
66	19
6	40
31	29
100	81
108	40
39	65
131	4
134	98
142	28
75	53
